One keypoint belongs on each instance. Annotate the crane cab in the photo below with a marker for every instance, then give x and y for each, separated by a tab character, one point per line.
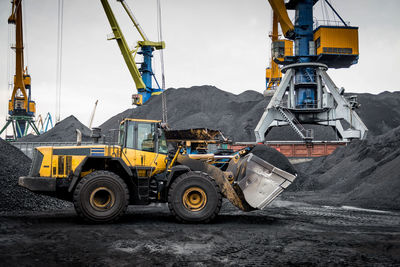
336	46
282	48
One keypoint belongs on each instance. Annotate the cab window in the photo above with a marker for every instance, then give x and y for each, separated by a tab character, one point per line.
121	136
130	135
146	138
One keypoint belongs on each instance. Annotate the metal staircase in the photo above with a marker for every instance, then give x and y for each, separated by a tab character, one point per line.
143	188
305	134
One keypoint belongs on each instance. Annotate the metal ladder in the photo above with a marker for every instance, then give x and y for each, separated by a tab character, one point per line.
305	134
143	187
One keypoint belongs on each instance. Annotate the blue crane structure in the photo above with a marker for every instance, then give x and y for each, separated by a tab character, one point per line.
144	75
306	94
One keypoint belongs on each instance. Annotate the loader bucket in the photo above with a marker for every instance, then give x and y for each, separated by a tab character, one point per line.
260	181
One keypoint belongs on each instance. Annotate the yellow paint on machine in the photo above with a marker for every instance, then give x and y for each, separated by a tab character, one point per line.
138	158
336	40
60	166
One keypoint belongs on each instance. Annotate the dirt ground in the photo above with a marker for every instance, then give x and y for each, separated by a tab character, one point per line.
286	233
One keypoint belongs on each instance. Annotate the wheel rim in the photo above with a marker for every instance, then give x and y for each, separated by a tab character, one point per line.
102	199
194	199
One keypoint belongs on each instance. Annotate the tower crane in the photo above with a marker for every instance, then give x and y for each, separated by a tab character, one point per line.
144	75
279	49
21	108
312	96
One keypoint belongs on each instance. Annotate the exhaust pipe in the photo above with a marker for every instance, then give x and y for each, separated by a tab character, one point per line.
78	137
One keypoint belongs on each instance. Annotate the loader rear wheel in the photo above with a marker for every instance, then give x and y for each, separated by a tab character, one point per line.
101	197
194	197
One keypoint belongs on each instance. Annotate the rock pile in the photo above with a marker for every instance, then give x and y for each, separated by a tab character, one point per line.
13	164
237	115
64	131
365	173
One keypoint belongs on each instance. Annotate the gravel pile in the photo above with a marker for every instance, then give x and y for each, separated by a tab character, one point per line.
273	157
237	115
63	131
13	164
365	173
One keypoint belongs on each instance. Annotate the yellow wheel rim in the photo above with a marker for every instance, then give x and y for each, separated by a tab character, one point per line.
194	199
102	198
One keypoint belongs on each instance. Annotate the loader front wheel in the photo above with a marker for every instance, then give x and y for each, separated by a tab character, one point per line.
194	197
101	197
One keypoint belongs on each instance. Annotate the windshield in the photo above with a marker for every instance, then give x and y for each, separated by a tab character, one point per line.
146	137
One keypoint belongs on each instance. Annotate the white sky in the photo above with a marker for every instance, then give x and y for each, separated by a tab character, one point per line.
223	43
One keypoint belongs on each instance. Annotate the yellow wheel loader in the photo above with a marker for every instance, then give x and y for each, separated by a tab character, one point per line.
102	180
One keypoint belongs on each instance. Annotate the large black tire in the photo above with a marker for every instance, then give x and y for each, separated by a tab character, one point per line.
101	197
194	197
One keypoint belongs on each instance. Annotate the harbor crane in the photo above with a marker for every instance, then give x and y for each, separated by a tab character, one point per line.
144	75
306	94
21	107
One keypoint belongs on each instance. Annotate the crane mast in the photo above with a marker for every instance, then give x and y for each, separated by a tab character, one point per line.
144	75
21	109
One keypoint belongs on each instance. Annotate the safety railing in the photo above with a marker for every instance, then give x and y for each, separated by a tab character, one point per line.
321	22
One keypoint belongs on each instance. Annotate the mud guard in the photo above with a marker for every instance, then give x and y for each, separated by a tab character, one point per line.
219	176
76	174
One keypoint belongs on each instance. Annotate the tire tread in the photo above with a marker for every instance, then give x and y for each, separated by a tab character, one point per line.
185	176
90	176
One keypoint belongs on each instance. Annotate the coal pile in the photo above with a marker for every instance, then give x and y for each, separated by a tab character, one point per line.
237	115
273	157
365	174
13	164
201	107
379	112
63	131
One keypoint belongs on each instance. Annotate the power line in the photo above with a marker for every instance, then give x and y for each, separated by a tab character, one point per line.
59	59
160	38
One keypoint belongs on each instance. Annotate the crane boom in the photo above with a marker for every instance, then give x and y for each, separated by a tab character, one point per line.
123	46
278	6
134	20
142	76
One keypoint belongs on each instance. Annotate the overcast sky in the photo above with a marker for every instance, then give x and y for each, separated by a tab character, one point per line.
223	43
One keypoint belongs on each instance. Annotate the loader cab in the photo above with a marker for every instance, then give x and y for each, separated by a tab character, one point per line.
142	135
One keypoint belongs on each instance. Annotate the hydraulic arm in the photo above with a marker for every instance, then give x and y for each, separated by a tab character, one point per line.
141	76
